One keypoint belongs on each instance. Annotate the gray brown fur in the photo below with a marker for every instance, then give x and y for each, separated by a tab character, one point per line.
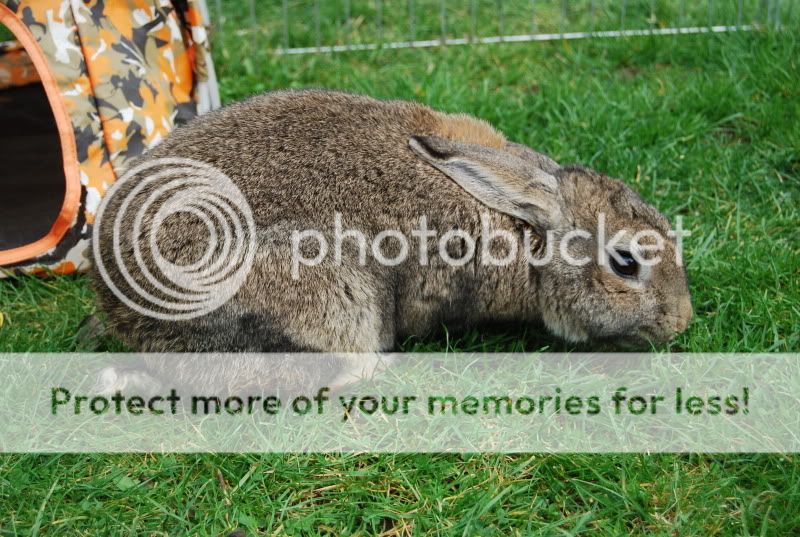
301	156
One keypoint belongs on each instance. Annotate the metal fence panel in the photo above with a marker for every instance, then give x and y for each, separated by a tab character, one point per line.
309	26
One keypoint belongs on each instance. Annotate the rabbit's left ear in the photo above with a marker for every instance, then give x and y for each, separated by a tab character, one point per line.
499	180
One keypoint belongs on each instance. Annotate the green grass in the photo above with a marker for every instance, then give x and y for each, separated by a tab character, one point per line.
5	34
707	127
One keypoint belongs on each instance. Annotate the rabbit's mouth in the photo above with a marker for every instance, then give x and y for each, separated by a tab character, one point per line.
650	338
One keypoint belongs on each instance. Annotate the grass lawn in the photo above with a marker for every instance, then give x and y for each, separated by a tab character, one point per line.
707	127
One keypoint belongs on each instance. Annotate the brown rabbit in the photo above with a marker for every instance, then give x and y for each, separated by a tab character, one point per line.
301	158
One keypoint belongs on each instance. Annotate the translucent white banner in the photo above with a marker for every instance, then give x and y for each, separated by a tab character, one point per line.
413	403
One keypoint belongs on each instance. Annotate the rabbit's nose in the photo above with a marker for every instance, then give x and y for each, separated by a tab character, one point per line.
684	313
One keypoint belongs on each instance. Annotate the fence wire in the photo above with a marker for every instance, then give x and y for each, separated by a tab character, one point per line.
314	26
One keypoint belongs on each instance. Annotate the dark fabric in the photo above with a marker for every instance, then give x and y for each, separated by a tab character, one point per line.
31	174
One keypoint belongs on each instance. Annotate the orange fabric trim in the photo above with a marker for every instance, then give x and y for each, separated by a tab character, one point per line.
72	194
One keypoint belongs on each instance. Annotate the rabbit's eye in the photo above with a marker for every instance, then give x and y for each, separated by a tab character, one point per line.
626	267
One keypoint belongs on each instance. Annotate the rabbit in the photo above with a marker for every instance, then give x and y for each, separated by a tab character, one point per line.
302	157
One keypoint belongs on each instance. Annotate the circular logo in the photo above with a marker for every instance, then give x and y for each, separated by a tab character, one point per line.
159	189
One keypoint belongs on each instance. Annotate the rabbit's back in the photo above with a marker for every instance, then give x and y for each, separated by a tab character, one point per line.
302	154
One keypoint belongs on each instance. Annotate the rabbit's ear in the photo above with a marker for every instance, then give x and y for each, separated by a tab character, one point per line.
496	178
539	160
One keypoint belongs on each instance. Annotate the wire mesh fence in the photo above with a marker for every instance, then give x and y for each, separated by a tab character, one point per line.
308	26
